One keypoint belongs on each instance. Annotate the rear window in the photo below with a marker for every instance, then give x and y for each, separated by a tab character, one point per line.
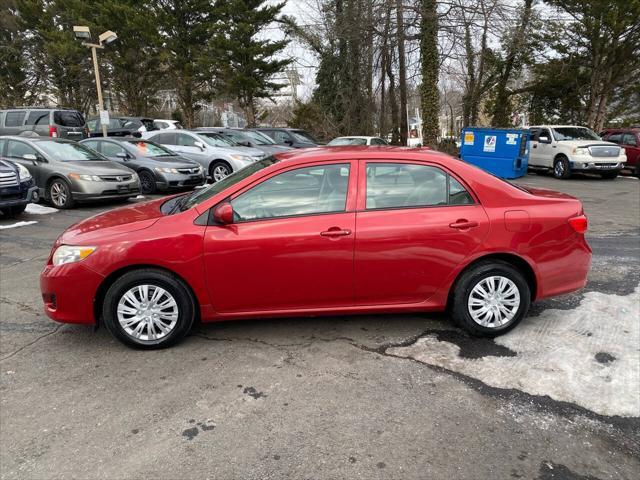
38	117
68	118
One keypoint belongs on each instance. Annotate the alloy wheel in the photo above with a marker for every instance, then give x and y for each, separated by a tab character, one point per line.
559	168
59	194
147	313
494	301
220	172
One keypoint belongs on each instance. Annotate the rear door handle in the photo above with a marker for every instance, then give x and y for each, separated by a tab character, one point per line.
463	224
336	232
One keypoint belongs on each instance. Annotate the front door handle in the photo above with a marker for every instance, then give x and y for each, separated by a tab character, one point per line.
336	232
463	224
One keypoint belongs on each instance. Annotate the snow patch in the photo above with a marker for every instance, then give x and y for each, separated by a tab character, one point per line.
35	209
560	353
17	224
140	197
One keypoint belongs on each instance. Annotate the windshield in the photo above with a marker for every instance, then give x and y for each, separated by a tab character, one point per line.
203	194
68	152
302	136
216	140
150	149
259	138
574	133
347	141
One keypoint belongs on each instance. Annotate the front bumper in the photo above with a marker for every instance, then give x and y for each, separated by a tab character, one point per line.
591	166
167	181
86	190
16	197
68	292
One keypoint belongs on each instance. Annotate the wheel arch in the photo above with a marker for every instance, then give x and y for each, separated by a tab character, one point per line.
51	179
511	258
113	276
219	160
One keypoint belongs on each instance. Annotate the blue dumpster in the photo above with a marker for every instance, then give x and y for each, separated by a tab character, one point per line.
501	151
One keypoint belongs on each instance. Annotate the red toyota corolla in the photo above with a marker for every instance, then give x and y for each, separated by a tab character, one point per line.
322	231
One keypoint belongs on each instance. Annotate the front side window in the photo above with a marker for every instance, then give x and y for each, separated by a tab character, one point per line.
216	140
111	149
150	149
186	140
302	136
404	185
165	138
304	191
19	149
280	137
92	144
259	138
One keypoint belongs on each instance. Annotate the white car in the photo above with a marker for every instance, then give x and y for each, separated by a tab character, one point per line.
163	124
566	149
216	154
356	140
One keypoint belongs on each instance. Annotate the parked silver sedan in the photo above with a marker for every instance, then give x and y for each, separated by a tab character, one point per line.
67	172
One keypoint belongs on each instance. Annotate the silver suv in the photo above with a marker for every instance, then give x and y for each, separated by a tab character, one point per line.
46	122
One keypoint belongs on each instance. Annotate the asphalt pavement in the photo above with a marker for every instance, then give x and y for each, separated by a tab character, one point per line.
386	396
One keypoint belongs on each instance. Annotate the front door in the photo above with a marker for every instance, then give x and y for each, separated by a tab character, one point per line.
541	154
415	225
290	246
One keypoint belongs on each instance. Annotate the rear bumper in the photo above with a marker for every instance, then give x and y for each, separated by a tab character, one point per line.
567	272
68	293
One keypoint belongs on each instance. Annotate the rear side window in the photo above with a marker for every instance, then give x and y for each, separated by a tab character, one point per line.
403	185
38	117
14	119
18	149
68	118
629	139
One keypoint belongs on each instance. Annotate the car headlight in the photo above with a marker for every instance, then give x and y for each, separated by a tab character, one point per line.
82	176
23	173
166	170
581	151
70	253
244	158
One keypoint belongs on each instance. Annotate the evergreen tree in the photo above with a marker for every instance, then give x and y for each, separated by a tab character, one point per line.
247	60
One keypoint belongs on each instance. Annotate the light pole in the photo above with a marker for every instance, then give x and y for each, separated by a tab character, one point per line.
83	33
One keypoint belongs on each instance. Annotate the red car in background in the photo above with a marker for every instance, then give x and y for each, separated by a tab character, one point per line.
629	138
323	231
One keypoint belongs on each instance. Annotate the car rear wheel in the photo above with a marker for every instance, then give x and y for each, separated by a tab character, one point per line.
59	194
148	309
561	168
147	182
219	170
490	299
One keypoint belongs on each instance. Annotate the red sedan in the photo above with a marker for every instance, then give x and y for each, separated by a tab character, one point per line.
322	231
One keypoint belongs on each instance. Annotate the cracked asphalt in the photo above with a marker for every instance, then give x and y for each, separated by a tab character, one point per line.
388	396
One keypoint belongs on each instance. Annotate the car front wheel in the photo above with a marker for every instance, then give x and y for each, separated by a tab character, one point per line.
561	168
490	299
147	182
59	194
219	170
148	309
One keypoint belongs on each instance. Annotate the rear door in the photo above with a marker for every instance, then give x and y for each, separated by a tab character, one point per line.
38	121
632	149
14	122
69	124
415	224
291	245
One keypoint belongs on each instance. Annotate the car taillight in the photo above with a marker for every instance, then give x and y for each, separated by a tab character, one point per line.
53	131
579	223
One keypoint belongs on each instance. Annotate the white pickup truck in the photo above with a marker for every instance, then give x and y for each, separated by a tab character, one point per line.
565	149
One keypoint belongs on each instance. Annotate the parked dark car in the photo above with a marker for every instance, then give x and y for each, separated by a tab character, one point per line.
118	127
629	139
158	167
44	121
67	172
17	188
289	137
248	138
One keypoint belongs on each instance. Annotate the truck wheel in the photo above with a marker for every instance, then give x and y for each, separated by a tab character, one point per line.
13	211
561	168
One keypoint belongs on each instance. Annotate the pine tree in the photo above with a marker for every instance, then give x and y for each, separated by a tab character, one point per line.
248	63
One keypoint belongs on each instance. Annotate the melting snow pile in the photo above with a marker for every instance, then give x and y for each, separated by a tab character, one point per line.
589	356
35	209
16	225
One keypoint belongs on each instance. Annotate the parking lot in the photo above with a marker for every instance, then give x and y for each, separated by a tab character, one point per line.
388	396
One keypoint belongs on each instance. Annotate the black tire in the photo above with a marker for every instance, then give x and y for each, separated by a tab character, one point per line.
186	307
609	175
55	189
147	182
14	211
561	168
472	277
542	173
216	168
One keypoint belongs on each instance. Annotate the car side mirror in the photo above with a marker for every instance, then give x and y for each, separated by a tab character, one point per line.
200	145
223	214
544	139
288	142
31	157
122	155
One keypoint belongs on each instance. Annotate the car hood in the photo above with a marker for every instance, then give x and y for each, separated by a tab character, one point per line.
587	143
97	167
174	161
273	149
96	229
250	151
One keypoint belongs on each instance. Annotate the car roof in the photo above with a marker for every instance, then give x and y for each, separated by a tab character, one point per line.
362	152
356	136
38	138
